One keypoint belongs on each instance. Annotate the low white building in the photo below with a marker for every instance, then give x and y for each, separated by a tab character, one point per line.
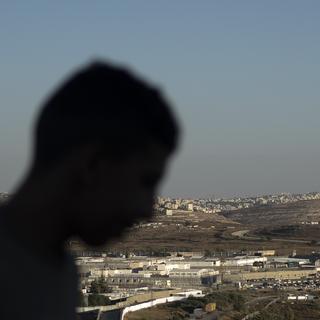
304	297
243	261
119	272
204	263
288	260
191	272
182	266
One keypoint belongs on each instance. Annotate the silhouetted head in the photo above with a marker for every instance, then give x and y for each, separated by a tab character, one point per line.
113	133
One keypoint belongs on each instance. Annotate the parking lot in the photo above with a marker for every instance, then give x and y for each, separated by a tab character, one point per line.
298	285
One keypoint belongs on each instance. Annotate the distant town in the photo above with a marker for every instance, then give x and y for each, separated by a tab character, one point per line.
168	205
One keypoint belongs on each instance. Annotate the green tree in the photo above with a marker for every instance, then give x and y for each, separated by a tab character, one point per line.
98	300
207	253
100	286
238	301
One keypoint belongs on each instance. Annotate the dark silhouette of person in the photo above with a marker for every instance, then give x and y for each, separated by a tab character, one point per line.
101	146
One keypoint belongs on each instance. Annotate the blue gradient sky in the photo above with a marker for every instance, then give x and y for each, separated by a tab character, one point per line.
243	75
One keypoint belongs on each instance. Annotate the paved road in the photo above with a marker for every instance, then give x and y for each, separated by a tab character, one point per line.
271	302
253	314
258	300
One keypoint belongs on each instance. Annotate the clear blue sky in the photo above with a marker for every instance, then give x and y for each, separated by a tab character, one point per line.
243	76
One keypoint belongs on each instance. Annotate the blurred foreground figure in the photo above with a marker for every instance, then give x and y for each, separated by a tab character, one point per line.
102	142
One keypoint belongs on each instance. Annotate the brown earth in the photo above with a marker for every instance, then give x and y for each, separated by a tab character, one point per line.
268	225
276	215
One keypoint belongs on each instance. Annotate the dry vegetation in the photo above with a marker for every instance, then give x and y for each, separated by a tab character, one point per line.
270	227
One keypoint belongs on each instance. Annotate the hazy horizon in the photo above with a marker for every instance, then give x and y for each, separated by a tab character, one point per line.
243	78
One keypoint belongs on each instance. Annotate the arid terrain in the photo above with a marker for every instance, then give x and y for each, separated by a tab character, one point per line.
277	215
281	227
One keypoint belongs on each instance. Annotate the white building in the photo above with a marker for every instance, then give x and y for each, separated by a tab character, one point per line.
182	266
287	260
205	263
191	272
190	207
243	261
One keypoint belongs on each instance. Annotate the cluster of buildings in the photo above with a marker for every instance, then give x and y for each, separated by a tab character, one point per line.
132	276
136	272
168	205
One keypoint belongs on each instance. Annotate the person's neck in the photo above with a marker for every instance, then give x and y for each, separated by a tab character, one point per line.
33	217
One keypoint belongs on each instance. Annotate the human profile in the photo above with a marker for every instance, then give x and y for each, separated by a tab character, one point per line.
102	142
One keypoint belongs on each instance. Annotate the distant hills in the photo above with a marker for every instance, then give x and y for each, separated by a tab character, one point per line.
274	215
